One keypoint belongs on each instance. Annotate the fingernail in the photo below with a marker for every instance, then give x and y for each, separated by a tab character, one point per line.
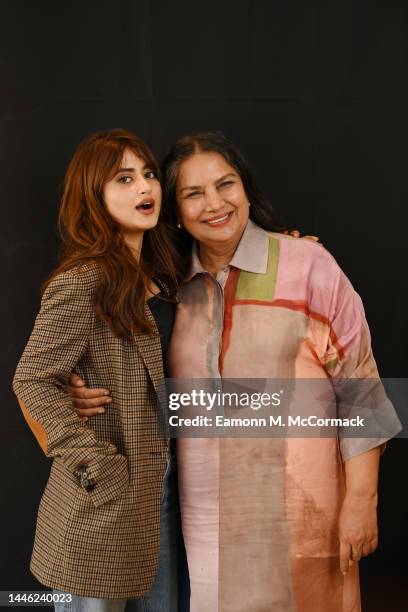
101	411
106	392
108	400
344	573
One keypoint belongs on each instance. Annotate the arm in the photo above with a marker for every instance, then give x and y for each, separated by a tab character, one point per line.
57	343
350	362
358	532
86	402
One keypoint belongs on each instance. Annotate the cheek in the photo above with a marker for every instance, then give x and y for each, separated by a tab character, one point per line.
184	212
189	213
240	200
157	191
110	197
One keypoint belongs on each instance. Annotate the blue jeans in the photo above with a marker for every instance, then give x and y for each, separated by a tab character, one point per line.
163	594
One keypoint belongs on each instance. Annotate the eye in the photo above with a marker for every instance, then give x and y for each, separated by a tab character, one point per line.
150	174
125	179
226	183
193	194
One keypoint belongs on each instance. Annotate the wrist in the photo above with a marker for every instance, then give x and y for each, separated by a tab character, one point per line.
362	495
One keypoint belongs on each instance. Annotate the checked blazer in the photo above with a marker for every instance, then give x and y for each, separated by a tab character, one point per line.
98	523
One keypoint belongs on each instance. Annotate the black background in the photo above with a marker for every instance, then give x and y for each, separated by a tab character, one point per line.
315	93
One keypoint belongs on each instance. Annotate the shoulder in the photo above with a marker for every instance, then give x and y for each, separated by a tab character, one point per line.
307	271
305	253
81	280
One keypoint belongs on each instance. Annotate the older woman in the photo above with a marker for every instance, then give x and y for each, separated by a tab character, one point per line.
271	523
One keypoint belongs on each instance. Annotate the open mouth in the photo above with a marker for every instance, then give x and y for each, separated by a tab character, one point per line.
220	220
146	207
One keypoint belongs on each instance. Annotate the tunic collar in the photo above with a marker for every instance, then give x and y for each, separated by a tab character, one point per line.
250	255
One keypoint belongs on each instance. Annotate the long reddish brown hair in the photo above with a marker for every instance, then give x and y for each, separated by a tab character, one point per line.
90	235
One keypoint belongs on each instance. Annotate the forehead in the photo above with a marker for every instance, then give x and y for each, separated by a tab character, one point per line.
131	160
202	168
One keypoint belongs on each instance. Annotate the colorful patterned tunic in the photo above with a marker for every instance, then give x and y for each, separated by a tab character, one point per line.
260	514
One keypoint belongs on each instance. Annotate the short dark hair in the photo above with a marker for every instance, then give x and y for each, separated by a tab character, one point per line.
261	210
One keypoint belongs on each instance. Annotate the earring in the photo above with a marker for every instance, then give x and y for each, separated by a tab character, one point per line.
179	225
249	203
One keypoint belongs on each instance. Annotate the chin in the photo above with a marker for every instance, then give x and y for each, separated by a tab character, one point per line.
224	233
150	223
140	229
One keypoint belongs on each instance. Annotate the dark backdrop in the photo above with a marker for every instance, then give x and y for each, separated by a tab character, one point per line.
314	91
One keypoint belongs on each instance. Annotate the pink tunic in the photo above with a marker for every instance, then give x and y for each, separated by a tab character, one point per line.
260	515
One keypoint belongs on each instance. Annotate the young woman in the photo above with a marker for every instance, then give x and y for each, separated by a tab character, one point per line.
273	523
107	523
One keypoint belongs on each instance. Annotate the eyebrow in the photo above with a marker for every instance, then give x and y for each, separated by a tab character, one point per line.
131	169
222	178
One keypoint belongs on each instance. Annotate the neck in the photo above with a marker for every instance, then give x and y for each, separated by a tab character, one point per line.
134	243
216	257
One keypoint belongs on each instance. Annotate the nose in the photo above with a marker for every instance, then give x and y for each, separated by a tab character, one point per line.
143	186
214	202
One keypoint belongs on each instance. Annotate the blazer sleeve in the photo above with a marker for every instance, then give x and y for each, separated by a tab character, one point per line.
59	339
350	362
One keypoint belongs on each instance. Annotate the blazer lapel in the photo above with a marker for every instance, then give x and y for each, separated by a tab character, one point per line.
151	352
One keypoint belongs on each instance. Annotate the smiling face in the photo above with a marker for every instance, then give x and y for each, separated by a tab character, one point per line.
133	197
212	202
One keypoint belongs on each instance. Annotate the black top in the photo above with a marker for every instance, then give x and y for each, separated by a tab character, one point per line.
164	313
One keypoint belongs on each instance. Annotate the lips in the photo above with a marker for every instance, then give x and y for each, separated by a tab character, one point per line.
218	219
146	207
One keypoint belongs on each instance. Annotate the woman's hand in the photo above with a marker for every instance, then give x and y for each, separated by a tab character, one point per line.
296	234
358	532
87	402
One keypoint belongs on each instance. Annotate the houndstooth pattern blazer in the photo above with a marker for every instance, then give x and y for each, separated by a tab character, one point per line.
98	523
